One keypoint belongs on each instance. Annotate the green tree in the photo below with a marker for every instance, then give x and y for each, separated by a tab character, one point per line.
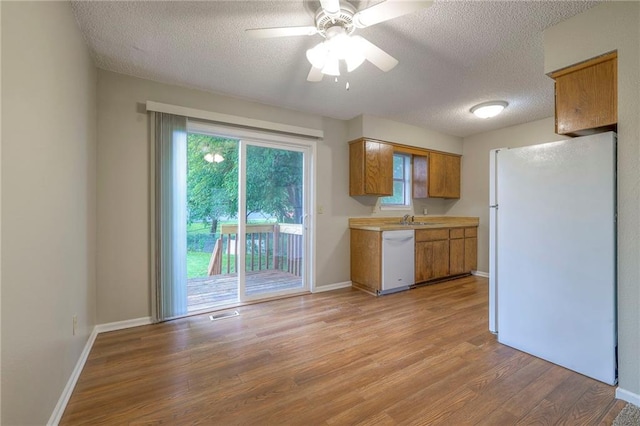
207	196
274	181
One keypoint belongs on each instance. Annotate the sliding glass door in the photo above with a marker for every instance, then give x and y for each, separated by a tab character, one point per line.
273	212
247	228
212	210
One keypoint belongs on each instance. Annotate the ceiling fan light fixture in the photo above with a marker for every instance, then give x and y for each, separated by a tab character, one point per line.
489	109
326	56
317	55
332	66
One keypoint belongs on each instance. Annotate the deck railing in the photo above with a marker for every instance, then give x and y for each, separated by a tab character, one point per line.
268	246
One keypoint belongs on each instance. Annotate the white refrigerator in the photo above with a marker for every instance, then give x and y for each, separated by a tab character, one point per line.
552	263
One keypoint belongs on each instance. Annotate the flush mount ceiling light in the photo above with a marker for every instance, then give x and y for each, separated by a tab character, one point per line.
336	20
489	109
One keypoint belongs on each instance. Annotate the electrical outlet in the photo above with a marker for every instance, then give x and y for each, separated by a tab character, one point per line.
320	209
75	324
424	211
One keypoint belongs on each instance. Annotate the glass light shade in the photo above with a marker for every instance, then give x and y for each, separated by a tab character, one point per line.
489	109
317	55
327	55
332	66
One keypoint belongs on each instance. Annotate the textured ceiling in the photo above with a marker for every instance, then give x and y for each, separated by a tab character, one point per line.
452	56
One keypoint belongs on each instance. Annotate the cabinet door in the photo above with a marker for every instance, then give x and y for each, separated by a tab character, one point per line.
431	260
419	176
452	172
423	258
470	254
370	168
366	252
437	175
444	175
457	256
586	96
440	259
378	168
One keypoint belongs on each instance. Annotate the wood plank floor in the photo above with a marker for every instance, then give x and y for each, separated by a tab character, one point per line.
207	292
419	357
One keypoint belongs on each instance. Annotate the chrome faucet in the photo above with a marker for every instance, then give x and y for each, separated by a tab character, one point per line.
405	219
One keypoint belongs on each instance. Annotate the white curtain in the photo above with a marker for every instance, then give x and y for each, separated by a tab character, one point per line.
170	216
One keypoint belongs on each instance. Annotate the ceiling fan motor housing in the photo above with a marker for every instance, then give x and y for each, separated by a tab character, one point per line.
344	19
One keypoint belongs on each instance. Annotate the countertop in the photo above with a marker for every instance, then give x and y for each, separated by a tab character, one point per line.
425	222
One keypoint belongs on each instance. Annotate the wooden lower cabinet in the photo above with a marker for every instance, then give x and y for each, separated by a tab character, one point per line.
432	260
431	254
470	249
366	259
442	253
439	253
457	256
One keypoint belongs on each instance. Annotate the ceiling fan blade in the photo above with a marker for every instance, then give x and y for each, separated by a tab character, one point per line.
315	74
281	32
386	11
375	55
331	7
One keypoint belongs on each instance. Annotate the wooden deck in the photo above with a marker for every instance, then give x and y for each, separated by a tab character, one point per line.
205	292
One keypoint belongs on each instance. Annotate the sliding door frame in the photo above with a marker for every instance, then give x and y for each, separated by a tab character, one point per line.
247	137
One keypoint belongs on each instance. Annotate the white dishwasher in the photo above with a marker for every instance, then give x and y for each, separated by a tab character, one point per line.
397	260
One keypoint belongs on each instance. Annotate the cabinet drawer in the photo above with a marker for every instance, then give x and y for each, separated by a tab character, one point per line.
456	233
432	234
470	232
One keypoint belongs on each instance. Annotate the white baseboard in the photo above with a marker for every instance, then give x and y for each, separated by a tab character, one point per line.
121	325
625	395
58	411
480	274
330	287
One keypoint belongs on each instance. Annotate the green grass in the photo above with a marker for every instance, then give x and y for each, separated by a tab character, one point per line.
198	263
198	228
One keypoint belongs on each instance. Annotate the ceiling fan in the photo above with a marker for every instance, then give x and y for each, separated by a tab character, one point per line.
336	21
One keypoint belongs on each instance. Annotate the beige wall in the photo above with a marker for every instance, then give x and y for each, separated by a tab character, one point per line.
48	205
387	130
606	27
474	199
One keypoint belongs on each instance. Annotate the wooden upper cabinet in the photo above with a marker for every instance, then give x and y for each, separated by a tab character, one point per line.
443	176
587	96
436	176
370	168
